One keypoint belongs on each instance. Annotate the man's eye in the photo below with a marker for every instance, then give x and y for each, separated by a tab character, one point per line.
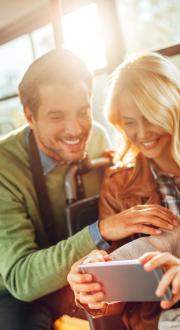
83	113
58	117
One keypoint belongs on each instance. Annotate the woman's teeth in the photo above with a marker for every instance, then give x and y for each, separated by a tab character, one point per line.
149	144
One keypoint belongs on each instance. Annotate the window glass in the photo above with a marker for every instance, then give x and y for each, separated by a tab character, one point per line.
149	24
82	34
15	56
11	115
100	92
43	40
176	60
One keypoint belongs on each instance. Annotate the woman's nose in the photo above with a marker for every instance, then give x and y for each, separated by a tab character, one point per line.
141	131
144	130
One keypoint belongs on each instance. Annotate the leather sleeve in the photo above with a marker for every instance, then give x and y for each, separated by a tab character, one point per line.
108	309
108	194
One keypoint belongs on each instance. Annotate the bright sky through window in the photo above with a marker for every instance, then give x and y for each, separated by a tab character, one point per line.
83	35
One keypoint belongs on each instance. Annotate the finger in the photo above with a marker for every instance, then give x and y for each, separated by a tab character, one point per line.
74	278
166	304
156	221
161	259
107	258
148	256
145	229
156	207
165	215
97	305
158	211
87	288
95	256
91	298
176	282
164	283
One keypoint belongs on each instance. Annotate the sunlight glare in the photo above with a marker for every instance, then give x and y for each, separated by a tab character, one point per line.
82	34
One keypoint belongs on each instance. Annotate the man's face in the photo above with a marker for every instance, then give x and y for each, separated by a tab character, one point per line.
63	120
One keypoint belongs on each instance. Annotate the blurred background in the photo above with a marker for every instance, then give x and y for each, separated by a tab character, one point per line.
102	32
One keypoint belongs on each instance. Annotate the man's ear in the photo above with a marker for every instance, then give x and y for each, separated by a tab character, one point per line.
29	116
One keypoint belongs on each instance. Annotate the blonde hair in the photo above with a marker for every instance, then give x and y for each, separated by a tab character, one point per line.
153	83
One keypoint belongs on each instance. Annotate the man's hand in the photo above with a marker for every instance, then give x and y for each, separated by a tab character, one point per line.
145	219
171	277
85	289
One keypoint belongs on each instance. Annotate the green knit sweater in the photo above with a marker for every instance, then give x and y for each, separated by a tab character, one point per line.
27	271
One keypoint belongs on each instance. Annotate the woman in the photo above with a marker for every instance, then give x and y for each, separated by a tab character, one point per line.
144	104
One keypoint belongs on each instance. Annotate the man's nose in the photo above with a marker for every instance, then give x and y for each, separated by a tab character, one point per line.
73	127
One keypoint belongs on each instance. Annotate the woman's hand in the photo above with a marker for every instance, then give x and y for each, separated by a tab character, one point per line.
171	277
87	291
145	219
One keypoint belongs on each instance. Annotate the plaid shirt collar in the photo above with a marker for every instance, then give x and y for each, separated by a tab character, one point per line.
168	187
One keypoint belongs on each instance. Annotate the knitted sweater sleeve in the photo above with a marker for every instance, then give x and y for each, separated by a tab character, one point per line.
27	271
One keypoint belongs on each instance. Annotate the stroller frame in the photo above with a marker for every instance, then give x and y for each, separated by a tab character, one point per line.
82	211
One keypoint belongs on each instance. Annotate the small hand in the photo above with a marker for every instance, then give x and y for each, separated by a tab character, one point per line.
85	289
171	264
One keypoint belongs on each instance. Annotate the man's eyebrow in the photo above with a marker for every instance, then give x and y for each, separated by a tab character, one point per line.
54	111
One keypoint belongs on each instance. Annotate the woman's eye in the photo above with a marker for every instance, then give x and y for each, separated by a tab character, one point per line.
129	123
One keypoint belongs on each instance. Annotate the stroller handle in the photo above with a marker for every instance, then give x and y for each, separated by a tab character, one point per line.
78	169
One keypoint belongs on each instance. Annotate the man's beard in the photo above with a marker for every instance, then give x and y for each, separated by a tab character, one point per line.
57	154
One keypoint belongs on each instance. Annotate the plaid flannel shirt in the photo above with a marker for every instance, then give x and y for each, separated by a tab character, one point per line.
169	189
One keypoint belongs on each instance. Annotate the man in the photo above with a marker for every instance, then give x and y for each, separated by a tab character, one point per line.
56	96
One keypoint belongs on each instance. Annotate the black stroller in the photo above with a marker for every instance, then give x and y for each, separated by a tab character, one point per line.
82	211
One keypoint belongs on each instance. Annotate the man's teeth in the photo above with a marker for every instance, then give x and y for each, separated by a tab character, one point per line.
72	141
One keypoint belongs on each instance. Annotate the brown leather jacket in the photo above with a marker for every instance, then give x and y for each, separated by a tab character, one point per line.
126	187
122	189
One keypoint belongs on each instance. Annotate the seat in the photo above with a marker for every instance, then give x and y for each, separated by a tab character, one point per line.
82	211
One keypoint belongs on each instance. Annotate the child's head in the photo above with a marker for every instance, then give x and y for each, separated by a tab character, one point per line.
147	86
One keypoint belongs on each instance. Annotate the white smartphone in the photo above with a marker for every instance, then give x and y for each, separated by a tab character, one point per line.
126	280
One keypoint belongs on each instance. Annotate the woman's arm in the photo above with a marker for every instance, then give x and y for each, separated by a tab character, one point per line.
166	242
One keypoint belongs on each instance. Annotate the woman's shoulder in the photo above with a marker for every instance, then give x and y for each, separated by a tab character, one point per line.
119	169
123	175
119	175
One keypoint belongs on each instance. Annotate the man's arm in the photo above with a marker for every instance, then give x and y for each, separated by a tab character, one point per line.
27	271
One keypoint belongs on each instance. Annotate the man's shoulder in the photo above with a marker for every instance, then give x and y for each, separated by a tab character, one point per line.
12	136
99	141
12	145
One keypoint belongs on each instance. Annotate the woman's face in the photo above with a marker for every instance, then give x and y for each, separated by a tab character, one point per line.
150	139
